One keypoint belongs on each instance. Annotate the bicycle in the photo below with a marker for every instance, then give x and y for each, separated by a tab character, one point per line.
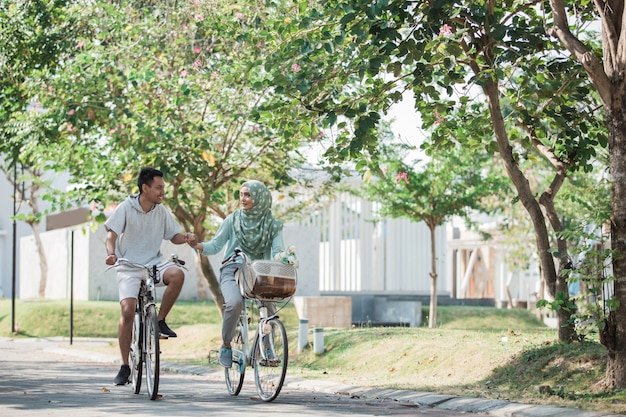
145	345
267	352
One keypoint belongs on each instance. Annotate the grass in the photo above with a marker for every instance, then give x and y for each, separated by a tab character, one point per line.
475	351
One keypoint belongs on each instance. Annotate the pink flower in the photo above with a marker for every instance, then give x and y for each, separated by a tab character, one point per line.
438	118
183	73
255	128
69	127
295	67
445	30
80	44
199	17
214	75
71	112
112	131
196	64
196	49
402	176
239	15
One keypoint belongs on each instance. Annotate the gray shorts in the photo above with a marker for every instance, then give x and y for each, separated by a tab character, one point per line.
129	281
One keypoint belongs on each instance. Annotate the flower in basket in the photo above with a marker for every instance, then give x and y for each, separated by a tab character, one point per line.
287	257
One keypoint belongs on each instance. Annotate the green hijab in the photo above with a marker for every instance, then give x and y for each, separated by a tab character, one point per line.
256	228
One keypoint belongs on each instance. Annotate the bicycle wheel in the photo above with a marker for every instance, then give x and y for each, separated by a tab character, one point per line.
152	350
270	359
235	374
135	357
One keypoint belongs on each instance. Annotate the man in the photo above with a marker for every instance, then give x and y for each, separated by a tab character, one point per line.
135	232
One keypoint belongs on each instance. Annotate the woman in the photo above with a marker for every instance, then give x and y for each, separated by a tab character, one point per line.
254	229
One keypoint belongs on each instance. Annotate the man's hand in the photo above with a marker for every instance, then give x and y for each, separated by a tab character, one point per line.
110	259
190	237
192	240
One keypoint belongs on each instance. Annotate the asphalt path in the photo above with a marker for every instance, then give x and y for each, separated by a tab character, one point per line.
39	377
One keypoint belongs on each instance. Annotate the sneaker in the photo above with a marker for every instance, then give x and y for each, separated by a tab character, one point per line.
165	330
270	359
122	375
226	357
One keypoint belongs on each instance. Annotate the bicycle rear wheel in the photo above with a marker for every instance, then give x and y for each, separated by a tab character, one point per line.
135	357
270	359
152	350
235	374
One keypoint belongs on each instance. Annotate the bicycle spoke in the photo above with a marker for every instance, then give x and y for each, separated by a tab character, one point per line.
270	359
152	352
135	355
235	374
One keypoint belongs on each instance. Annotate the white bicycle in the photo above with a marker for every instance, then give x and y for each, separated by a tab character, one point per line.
268	351
144	346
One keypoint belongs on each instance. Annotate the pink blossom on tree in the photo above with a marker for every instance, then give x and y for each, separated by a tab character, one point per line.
402	176
445	30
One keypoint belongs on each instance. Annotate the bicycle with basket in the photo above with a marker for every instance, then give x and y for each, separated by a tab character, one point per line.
267	352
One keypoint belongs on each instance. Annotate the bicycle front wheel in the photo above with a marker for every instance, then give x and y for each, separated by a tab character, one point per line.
135	357
270	359
152	350
235	374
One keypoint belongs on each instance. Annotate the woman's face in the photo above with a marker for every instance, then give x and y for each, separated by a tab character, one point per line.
245	198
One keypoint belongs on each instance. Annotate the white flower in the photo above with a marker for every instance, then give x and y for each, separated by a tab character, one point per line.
288	257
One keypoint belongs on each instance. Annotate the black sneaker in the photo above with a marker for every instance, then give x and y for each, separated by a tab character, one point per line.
122	375
165	330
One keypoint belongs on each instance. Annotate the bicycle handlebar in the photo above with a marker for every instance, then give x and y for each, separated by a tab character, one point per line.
173	259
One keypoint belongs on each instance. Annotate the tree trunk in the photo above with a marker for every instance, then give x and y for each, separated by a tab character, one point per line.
613	336
43	260
525	193
432	317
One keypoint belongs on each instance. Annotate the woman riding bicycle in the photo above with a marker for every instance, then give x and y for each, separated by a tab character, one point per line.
254	229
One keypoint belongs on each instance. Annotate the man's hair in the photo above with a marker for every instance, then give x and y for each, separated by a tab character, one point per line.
146	176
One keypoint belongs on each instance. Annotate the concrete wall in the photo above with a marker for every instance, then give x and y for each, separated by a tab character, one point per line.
22	230
91	280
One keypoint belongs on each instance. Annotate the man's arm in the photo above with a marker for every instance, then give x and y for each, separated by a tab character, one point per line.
110	247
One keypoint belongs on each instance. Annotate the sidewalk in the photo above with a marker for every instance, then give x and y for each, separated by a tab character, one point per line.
496	408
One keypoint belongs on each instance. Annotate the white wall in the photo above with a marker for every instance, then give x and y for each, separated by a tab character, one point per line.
91	280
22	229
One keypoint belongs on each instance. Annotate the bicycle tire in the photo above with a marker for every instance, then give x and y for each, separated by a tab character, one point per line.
235	374
152	352
269	373
135	355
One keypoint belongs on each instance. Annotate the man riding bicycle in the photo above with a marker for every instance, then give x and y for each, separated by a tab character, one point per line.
135	231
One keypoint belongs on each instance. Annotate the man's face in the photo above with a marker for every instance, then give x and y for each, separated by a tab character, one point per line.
156	191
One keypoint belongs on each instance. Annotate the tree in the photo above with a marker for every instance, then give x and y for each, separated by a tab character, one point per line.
168	85
483	67
606	73
32	36
448	185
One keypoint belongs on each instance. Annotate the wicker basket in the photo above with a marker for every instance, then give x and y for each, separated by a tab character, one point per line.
267	280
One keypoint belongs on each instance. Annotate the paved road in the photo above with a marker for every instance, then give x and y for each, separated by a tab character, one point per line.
43	378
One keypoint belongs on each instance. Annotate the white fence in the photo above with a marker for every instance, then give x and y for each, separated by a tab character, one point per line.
359	254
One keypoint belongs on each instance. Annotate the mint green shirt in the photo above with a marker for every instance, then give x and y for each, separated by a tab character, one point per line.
225	237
